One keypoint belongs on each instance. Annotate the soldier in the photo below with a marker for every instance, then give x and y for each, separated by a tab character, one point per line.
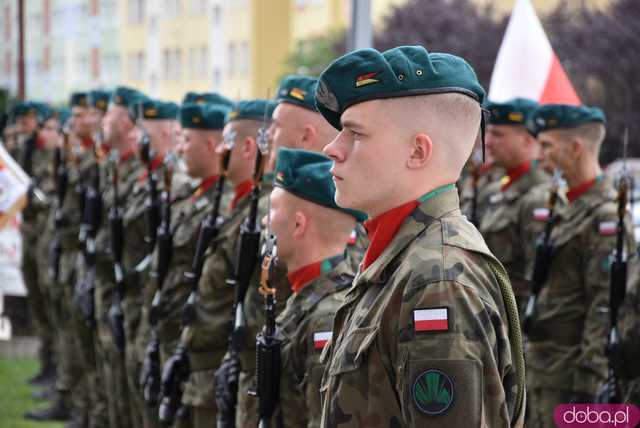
205	338
567	338
517	211
122	137
201	135
428	334
312	234
34	158
141	220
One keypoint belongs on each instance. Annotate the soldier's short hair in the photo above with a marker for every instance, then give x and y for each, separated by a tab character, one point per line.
592	133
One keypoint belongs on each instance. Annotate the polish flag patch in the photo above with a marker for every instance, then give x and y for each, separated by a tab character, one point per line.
320	339
434	319
541	214
607	228
353	238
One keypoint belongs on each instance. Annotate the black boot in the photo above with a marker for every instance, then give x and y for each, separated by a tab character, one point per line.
46	376
58	411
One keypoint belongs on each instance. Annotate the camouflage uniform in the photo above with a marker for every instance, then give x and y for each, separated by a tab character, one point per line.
207	339
307	318
383	369
34	221
481	190
629	324
136	248
566	346
111	361
515	218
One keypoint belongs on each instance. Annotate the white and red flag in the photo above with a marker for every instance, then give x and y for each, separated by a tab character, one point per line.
320	339
527	66
432	319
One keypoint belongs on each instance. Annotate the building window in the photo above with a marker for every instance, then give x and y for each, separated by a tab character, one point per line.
95	63
136	11
177	64
7	62
135	64
173	8
216	15
166	64
231	58
7	21
204	60
244	58
94	7
217	79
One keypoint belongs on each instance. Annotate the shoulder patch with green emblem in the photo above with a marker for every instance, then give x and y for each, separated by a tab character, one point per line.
432	392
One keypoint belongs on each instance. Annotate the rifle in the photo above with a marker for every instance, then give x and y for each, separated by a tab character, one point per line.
153	202
209	230
610	392
268	345
92	220
150	375
246	261
116	314
62	181
544	250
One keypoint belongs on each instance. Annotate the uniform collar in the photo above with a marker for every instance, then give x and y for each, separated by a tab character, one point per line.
384	227
86	143
513	174
306	274
240	191
582	188
205	185
125	156
153	166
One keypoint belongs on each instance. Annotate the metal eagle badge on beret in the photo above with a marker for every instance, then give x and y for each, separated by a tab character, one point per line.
433	392
325	97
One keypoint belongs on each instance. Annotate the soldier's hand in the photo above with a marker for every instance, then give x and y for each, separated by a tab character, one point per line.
175	369
226	385
150	374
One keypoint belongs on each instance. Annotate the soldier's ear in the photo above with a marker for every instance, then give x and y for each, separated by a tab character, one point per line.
420	151
309	137
300	224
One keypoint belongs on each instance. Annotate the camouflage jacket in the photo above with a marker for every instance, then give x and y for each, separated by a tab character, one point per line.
40	167
629	326
480	191
207	339
568	336
428	334
304	326
128	172
514	220
187	215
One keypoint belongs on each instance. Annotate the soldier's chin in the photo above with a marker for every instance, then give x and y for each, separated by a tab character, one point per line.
342	199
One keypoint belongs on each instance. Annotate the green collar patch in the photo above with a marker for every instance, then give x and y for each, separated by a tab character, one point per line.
432	392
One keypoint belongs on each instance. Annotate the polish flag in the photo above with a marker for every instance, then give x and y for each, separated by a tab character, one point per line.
321	338
541	214
436	319
526	65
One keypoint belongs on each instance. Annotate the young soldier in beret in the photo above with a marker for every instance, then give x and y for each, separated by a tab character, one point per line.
205	340
155	121
517	211
121	135
566	347
297	124
428	334
201	136
312	234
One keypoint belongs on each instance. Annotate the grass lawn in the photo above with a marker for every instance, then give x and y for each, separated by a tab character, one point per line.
15	394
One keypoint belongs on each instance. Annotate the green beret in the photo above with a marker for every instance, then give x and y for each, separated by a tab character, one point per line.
308	175
99	99
367	74
124	96
43	111
298	90
79	99
553	116
153	109
24	108
206	98
252	110
513	112
62	115
203	116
